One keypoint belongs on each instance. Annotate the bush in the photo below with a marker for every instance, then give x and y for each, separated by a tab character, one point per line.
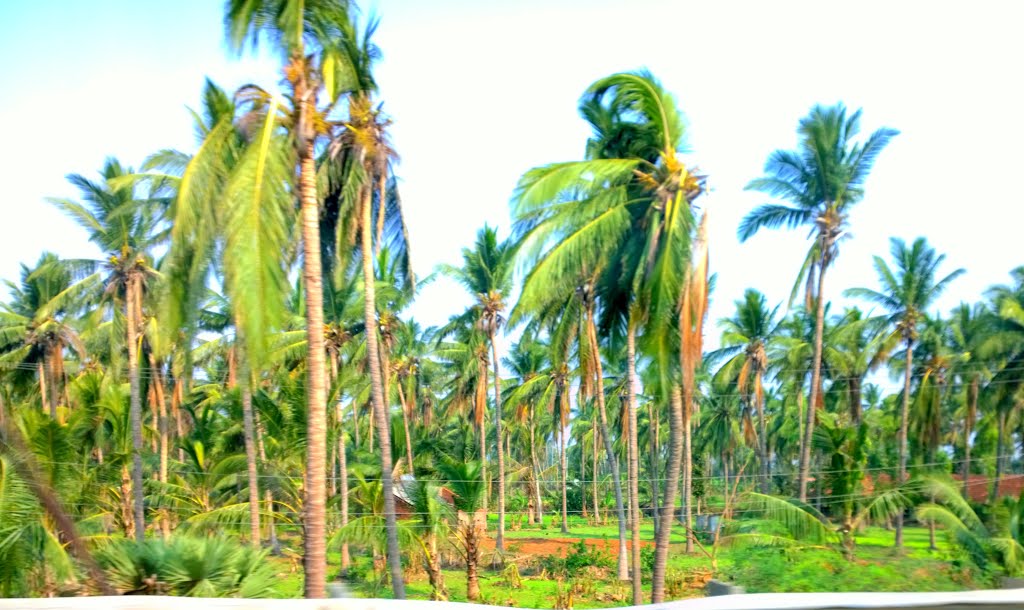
579	557
196	567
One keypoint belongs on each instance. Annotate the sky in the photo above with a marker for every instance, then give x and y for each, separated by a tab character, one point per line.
482	90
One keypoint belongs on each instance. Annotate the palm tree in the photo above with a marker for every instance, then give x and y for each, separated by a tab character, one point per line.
822	180
527	360
126	228
233	208
322	55
301	33
465	481
486	273
1005	345
745	337
907	293
36	326
858	347
576	221
433	511
970	327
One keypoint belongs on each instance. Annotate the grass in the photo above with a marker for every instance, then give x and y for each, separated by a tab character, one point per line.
877	567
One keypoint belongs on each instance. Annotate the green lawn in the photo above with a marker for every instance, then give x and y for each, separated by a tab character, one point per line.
876	567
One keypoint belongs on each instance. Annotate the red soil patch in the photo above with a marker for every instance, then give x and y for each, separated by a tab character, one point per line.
556	546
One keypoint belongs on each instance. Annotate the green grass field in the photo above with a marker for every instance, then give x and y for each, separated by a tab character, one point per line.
876	567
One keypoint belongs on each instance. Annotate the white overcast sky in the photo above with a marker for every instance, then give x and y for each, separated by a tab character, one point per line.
481	90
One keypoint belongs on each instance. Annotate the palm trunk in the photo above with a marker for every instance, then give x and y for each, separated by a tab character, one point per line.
268	496
902	440
51	379
434	573
594	468
162	424
688	474
132	291
762	447
1000	447
972	410
472	558
179	425
482	439
613	460
653	431
536	468
249	433
562	476
499	543
315	504
819	329
377	394
346	559
671	485
634	465
855	406
405	426
43	394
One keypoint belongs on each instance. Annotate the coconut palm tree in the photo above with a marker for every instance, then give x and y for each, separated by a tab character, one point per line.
36	326
745	337
232	214
858	346
466	483
126	225
1005	345
312	39
576	218
486	273
970	327
907	293
821	181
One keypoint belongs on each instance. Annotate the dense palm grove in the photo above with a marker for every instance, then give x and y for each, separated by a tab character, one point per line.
240	358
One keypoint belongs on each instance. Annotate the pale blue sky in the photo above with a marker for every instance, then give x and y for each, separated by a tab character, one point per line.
482	90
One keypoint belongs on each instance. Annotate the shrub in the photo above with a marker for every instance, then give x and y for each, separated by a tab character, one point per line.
197	567
579	557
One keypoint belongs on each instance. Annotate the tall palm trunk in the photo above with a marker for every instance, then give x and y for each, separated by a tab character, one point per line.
315	518
162	424
762	446
562	476
594	471
406	408
481	420
675	459
902	440
132	292
43	393
688	472
1000	448
249	433
819	330
536	467
268	496
499	542
377	395
634	465
346	559
972	411
613	460
53	389
179	425
653	432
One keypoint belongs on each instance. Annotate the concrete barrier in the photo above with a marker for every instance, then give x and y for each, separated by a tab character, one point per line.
966	600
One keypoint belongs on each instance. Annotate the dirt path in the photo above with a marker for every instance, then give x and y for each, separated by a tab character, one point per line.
556	546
